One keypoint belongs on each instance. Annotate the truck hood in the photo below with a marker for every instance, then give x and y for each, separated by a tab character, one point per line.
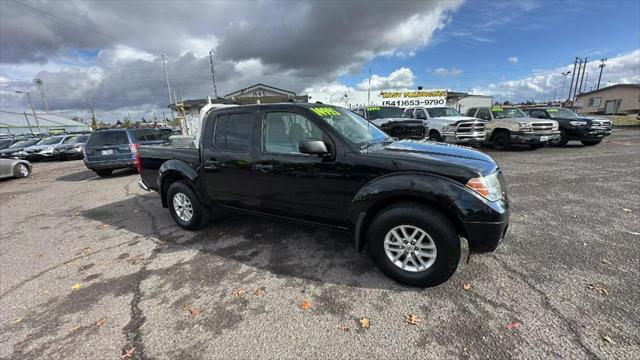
456	118
416	155
384	121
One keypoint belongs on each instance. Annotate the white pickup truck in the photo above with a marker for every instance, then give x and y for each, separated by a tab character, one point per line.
446	124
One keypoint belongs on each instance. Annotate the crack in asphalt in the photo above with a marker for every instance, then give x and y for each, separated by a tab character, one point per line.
546	303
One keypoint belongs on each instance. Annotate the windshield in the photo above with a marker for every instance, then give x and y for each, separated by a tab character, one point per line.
78	139
380	112
350	125
50	141
442	112
501	113
22	143
562	114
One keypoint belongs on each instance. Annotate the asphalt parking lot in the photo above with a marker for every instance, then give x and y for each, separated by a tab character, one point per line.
96	268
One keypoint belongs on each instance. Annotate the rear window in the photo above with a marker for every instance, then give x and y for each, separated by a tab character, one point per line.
233	132
148	135
102	138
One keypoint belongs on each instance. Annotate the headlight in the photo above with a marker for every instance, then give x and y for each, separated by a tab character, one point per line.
578	123
47	149
487	186
524	126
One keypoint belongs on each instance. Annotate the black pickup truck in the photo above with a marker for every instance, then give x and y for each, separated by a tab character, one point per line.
589	131
409	202
392	121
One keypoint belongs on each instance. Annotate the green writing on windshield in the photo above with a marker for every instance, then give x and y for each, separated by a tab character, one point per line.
373	108
552	110
325	111
496	109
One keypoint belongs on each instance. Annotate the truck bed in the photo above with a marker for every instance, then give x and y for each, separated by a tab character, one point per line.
153	156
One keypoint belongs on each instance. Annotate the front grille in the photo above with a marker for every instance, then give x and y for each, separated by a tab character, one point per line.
468	128
601	125
541	126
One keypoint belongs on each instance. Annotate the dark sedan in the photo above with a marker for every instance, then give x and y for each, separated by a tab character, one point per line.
15	149
589	131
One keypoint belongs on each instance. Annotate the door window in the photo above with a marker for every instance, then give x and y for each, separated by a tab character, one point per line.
233	132
420	114
483	114
282	132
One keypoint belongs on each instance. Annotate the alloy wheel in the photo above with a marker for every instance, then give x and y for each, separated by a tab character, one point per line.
410	248
182	206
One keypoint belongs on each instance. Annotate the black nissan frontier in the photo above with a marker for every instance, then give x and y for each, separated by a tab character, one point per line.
408	202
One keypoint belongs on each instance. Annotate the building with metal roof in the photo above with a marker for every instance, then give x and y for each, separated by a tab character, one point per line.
14	123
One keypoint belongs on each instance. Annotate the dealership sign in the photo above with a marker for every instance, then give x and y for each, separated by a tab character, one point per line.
352	99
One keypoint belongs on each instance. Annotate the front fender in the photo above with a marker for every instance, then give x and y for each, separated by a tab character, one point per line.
458	203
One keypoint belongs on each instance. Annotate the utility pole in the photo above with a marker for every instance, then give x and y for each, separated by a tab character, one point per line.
26	117
564	81
43	94
166	76
601	66
573	74
213	74
575	87
584	69
369	90
33	110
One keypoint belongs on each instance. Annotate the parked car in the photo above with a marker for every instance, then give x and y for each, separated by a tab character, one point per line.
72	149
14	168
111	149
509	125
5	143
409	202
15	149
446	124
589	131
46	149
391	120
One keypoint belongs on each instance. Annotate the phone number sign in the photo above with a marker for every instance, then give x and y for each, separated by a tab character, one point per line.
414	98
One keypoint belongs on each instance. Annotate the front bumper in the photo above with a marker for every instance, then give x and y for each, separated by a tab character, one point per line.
109	164
485	236
473	138
520	137
585	133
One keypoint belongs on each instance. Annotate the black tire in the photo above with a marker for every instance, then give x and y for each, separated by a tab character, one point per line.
434	136
590	142
430	220
103	172
563	139
21	170
537	146
201	213
501	141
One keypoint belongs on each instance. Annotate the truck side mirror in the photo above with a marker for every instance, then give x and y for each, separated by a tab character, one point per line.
312	146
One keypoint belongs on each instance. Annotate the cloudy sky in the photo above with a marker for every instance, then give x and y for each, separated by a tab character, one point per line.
108	53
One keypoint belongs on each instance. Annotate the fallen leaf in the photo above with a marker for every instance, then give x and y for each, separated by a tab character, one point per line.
523	215
412	319
574	216
512	325
135	260
77	214
305	304
344	328
259	291
364	322
608	339
626	210
87	250
238	292
74	329
17	321
193	312
466	286
101	322
606	261
76	286
128	354
599	288
103	226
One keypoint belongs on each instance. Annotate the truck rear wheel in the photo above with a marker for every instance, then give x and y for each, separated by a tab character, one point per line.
185	208
414	244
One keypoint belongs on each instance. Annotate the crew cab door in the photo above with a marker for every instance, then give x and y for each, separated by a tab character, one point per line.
225	161
295	184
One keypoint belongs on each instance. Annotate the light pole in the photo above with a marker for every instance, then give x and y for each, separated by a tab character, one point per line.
564	81
33	110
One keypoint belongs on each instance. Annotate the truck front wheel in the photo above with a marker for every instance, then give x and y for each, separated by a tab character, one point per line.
502	141
414	244
185	208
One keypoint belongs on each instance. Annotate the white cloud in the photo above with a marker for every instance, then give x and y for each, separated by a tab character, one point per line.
447	72
399	79
543	85
332	87
513	60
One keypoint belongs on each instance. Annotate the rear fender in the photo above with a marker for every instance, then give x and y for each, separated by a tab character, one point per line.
175	170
